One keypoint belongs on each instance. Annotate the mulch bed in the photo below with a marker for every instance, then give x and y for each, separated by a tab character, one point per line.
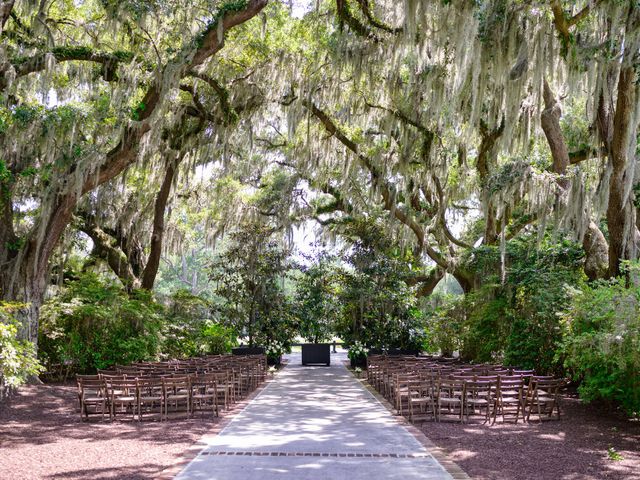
574	448
42	437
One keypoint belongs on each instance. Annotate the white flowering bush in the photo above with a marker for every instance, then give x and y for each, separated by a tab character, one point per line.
275	349
357	350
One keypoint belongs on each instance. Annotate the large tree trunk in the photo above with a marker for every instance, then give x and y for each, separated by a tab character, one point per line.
594	243
24	282
153	262
485	163
620	210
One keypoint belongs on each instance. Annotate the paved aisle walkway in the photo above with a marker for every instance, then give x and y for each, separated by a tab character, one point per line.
314	423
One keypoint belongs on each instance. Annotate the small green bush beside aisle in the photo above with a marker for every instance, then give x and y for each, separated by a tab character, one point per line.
602	342
17	357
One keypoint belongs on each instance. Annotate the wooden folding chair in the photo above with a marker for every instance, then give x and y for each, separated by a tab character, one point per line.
543	397
204	393
509	398
92	395
123	394
177	391
450	397
150	395
421	400
479	399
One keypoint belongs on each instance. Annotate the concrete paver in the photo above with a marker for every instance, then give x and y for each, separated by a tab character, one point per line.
310	423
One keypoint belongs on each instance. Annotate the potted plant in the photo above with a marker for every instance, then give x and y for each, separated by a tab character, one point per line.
358	355
274	352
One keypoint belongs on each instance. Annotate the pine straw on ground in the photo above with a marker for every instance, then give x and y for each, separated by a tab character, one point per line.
42	437
574	448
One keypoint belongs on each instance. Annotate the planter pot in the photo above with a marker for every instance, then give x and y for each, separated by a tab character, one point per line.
275	361
316	353
248	351
358	362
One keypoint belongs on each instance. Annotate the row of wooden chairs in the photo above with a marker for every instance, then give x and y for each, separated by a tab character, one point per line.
506	397
423	388
208	384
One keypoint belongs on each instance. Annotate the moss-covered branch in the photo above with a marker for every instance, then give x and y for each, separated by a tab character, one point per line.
38	62
346	17
379	182
365	6
229	112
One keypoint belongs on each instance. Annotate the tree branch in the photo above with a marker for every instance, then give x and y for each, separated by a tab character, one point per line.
345	15
5	12
37	63
386	190
365	6
230	113
104	248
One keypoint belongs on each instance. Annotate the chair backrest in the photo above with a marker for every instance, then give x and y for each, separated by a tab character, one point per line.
127	387
107	377
510	383
476	388
204	381
149	384
450	385
551	386
173	384
90	386
524	373
538	378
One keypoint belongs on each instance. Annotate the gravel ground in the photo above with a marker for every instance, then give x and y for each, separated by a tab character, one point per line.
574	448
42	437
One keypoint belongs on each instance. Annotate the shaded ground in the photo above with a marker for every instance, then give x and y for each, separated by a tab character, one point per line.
42	437
575	448
314	423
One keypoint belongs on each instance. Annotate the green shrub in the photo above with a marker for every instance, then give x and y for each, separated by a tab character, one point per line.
218	339
539	280
316	304
602	344
17	357
187	317
444	318
512	318
379	307
95	324
486	328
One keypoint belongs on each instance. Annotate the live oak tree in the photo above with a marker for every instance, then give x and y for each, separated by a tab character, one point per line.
429	110
87	91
